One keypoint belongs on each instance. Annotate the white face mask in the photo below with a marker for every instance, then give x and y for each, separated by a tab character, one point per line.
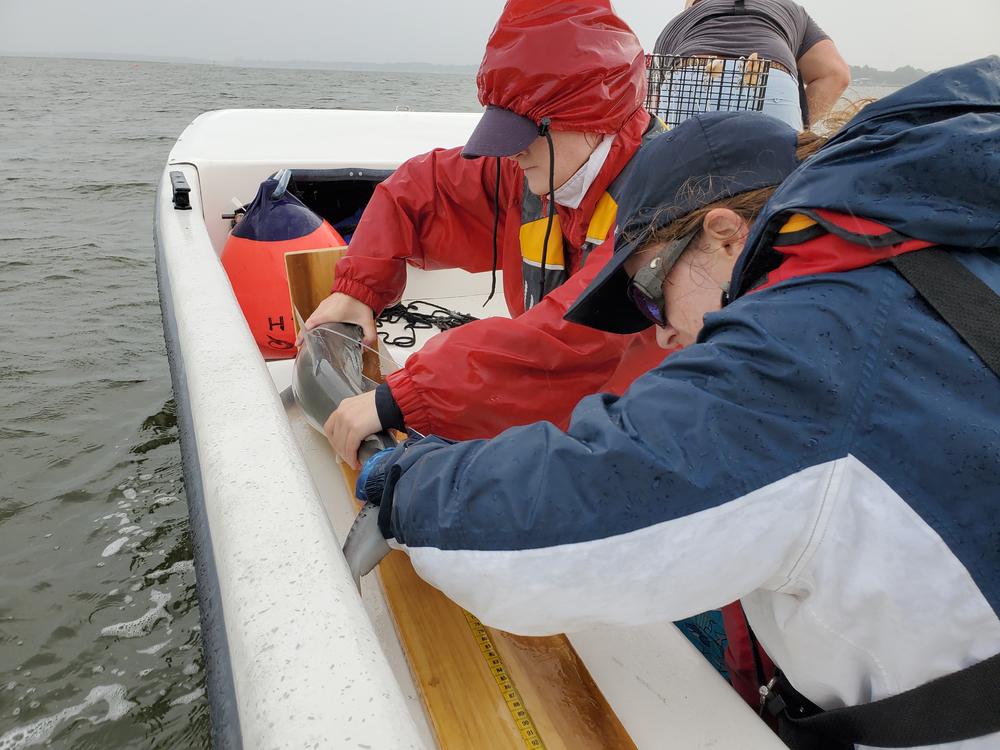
571	192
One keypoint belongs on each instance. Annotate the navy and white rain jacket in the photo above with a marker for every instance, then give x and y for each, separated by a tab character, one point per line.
828	452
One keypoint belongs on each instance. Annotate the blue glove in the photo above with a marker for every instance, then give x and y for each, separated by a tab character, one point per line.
371	479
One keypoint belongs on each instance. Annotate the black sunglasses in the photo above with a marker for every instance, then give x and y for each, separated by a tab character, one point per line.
646	288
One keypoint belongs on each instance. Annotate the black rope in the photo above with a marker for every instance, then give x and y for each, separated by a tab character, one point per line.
416	319
543	129
496	226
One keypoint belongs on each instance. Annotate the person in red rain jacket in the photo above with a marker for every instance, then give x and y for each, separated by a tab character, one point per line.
566	78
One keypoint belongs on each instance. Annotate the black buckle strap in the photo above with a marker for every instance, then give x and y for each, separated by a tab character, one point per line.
958	706
965	302
792	710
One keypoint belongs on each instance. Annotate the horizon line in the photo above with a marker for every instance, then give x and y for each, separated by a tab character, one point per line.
241	61
237	62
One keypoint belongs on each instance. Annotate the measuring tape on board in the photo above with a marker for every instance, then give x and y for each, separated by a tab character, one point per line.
494	662
515	704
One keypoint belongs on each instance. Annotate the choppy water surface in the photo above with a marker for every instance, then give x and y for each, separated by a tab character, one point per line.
99	642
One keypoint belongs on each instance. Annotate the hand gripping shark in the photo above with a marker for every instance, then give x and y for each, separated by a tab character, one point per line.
328	370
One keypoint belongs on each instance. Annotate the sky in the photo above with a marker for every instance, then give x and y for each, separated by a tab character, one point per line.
885	34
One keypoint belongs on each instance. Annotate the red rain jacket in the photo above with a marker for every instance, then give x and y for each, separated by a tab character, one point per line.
436	211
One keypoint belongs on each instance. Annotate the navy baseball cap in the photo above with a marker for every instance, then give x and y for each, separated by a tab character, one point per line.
500	132
706	158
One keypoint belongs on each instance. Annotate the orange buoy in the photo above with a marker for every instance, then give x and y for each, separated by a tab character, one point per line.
276	222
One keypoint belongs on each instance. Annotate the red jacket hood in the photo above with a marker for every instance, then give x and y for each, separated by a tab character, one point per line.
576	63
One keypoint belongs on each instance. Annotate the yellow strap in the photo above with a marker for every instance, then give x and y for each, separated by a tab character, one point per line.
797	223
532	238
603	220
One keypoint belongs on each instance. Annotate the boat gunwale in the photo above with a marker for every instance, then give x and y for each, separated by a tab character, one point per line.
261	507
224	715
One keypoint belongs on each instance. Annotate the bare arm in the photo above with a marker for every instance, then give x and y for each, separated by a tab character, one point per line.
825	75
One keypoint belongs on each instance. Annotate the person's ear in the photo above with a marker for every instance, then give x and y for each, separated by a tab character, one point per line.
725	229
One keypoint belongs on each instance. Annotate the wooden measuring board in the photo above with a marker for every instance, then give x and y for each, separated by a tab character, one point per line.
310	277
486	689
482	689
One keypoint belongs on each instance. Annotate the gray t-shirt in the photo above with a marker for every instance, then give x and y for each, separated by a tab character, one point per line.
784	35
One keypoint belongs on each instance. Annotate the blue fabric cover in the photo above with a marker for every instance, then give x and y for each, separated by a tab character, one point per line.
269	220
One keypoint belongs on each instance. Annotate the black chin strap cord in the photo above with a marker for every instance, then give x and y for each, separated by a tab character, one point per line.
496	226
543	129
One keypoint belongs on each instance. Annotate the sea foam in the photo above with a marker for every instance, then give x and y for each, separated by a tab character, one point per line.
38	732
141	625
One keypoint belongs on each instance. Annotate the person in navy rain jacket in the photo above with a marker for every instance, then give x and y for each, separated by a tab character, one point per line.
825	449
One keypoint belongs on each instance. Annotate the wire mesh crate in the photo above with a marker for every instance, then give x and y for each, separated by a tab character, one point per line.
684	85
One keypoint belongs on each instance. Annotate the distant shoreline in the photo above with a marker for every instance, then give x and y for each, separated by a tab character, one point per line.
860	74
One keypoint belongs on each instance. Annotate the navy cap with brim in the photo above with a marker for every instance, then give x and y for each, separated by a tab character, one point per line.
709	157
500	132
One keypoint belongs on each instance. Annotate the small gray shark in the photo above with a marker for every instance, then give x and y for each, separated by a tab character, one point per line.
327	370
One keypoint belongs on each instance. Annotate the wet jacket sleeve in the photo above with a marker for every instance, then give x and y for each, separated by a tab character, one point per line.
480	379
435	211
693	489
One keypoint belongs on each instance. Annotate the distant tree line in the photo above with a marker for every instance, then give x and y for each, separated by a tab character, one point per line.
898	77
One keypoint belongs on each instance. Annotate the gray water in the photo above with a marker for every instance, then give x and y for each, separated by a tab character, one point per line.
99	641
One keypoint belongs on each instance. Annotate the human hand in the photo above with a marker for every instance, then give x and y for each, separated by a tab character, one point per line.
342	308
355	419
